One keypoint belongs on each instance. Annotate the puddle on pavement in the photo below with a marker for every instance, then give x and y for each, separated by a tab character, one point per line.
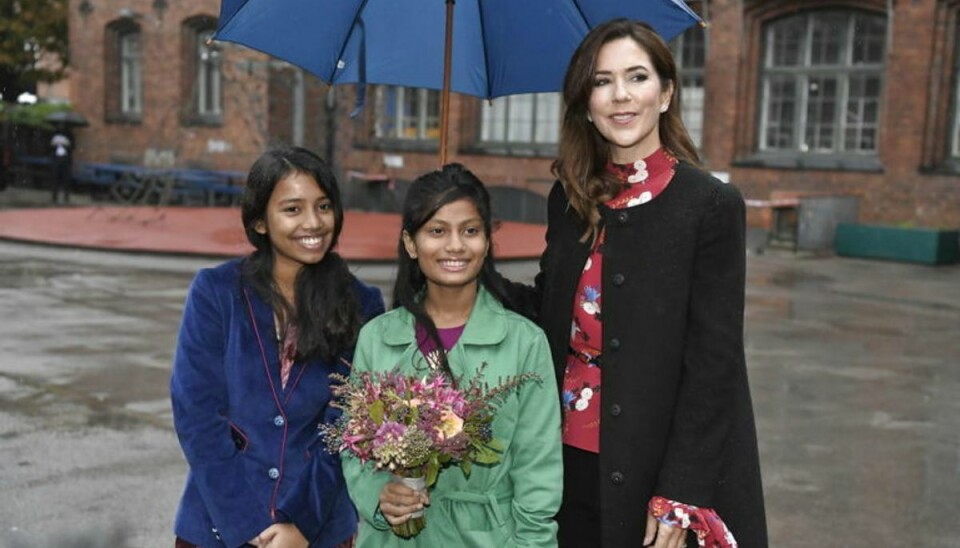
790	279
121	385
107	397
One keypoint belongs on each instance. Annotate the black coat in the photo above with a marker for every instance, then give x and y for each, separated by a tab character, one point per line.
677	420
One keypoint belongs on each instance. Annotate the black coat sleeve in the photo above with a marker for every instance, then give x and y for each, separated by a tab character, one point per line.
713	367
526	299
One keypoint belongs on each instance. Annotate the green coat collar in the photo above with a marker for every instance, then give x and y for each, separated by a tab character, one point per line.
483	327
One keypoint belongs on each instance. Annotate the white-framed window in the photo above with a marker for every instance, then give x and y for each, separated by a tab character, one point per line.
208	75
821	82
131	95
406	113
955	124
528	119
689	52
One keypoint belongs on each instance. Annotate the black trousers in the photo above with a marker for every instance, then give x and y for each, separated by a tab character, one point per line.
579	516
61	180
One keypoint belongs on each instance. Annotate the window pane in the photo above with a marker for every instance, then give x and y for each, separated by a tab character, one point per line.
827	38
869	35
689	50
692	93
786	42
821	114
520	119
863	106
548	118
955	148
208	75
781	106
408	118
406	113
430	106
494	120
384	126
130	73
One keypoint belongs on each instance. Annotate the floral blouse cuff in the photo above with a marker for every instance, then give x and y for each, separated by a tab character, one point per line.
710	529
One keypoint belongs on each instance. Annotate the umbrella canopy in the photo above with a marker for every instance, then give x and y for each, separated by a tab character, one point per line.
498	47
66	118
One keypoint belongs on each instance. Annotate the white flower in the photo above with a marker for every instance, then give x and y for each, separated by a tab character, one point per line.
641	174
684	518
586	393
581	404
590	307
587	266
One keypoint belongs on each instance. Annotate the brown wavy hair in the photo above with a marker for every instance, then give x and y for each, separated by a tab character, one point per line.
583	152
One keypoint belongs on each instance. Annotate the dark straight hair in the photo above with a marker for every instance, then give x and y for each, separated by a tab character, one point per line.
326	312
427	194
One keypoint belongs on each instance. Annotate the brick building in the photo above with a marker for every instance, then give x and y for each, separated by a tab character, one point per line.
837	96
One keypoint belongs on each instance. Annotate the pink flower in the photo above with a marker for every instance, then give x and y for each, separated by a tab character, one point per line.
389	431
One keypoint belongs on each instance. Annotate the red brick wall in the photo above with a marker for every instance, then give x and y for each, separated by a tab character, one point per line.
905	191
243	132
911	187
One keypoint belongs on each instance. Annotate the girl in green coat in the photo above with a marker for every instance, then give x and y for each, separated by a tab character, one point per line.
450	317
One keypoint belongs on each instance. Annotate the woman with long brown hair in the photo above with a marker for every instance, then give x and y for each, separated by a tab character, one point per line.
641	294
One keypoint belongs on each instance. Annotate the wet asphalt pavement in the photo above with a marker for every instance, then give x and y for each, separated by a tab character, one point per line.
854	367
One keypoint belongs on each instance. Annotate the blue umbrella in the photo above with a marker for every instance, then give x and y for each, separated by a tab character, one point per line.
484	48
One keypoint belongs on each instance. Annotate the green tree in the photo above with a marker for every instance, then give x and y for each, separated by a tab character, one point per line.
33	44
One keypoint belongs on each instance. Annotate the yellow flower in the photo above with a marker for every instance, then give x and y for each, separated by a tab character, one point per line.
450	424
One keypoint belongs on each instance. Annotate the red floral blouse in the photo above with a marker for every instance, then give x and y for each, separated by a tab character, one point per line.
646	178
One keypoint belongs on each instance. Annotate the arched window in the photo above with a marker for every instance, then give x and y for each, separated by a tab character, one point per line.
202	76
123	87
131	94
821	82
955	125
689	51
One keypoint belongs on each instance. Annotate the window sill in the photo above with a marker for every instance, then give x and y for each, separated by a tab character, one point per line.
512	149
198	120
124	119
801	161
399	145
949	166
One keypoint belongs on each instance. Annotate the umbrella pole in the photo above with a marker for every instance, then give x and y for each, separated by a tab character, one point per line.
445	94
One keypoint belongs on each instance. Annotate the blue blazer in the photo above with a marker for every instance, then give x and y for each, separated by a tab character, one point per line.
252	447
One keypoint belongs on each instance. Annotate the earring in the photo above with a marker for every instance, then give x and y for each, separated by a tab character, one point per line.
663	108
589	118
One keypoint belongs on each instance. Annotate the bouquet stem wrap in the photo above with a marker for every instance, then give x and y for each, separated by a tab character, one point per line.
417	521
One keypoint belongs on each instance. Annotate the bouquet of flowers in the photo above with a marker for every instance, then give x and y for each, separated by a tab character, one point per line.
415	426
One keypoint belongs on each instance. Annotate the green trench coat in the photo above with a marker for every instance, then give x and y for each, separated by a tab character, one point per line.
508	504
